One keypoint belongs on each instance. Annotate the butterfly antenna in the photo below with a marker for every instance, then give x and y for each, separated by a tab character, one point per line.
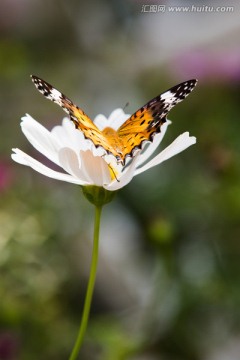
127	104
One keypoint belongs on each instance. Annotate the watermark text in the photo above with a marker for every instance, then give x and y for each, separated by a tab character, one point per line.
156	8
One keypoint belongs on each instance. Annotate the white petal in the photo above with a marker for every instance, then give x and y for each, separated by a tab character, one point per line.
95	169
19	156
70	137
70	162
181	143
101	121
153	145
117	118
125	177
98	151
27	160
40	138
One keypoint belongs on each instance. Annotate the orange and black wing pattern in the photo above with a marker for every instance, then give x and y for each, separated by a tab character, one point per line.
147	121
140	127
77	115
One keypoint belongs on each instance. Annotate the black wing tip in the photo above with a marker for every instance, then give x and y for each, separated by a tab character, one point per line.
193	80
37	79
40	84
33	77
184	88
192	83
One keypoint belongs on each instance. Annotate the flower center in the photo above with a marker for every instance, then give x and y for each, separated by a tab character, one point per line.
113	172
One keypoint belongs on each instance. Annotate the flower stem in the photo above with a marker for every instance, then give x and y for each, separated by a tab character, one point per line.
90	287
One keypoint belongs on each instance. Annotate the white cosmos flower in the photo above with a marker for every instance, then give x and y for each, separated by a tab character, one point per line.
82	162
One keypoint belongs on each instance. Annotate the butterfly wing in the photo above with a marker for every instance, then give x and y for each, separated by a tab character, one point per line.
147	121
77	115
140	127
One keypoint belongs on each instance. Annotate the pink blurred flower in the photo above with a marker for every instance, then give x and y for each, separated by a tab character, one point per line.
217	65
5	175
8	346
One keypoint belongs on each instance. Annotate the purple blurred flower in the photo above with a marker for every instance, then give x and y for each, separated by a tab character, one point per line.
218	65
8	346
5	175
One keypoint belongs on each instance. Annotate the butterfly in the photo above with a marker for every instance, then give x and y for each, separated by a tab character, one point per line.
134	132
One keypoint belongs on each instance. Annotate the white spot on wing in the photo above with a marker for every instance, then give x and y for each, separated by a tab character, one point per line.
168	97
56	95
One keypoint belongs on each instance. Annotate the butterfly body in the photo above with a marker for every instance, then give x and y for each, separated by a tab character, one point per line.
114	140
134	132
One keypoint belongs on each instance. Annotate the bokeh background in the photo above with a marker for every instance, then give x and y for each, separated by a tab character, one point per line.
168	284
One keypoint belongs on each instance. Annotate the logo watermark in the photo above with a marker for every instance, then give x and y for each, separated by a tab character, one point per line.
155	8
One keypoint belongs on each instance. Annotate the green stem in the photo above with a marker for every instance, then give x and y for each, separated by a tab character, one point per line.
90	287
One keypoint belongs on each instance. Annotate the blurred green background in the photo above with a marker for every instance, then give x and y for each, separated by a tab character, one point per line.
168	284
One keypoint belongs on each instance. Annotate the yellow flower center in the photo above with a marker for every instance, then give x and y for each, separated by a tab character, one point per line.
113	172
